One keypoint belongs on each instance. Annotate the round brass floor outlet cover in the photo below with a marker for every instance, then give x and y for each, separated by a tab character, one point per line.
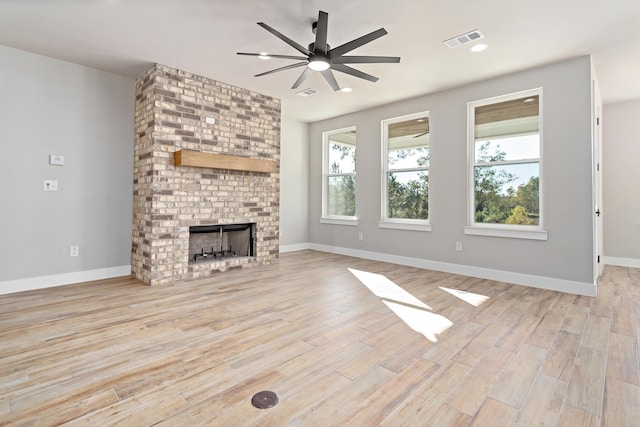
264	399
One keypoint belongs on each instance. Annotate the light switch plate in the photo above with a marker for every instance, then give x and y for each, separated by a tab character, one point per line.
56	159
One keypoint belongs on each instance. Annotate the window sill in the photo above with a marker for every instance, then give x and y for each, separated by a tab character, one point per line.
339	221
505	232
397	225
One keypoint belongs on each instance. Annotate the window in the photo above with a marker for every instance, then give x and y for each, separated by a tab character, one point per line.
405	163
339	177
505	156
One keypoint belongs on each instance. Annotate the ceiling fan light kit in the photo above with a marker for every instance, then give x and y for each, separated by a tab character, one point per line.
319	56
318	64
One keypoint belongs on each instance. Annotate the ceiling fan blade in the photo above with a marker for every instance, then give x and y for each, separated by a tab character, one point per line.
273	56
285	39
288	67
365	59
353	44
302	78
330	78
352	71
321	33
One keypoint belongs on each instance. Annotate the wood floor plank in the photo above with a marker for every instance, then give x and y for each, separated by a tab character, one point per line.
574	417
299	406
326	411
427	397
596	334
586	386
75	410
493	413
514	383
621	404
445	415
561	358
545	333
575	319
623	320
391	394
470	393
544	403
118	352
622	361
452	341
477	348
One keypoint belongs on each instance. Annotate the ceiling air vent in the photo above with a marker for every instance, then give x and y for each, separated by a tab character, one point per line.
306	92
469	37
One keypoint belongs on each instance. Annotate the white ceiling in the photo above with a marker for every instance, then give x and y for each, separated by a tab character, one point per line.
203	36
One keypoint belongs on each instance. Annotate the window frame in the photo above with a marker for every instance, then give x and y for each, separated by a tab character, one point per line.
385	220
519	231
326	218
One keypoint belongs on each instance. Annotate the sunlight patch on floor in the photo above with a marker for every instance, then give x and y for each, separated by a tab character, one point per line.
385	288
423	322
469	297
408	308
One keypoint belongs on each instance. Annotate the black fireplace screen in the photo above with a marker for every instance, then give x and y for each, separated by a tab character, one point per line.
220	241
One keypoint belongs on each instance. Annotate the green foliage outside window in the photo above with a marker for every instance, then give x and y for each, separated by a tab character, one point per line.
408	191
341	180
493	204
342	195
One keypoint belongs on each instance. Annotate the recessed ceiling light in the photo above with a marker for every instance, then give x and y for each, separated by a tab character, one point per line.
420	120
264	55
529	100
479	47
346	89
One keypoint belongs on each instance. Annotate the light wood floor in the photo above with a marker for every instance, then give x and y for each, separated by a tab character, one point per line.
117	352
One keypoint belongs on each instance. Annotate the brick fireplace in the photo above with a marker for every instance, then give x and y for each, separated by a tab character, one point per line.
177	110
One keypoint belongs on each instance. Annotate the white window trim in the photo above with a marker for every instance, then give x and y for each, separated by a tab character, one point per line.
534	232
506	231
398	223
326	218
336	220
405	224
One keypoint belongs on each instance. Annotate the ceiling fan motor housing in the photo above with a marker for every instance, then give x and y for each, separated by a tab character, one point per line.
312	47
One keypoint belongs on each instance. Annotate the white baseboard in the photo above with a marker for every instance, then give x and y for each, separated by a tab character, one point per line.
622	262
31	283
568	286
293	248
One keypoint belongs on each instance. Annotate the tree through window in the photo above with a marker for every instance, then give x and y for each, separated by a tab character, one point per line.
505	160
340	174
406	169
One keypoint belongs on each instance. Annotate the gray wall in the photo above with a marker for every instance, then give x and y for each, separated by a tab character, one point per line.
54	107
566	175
294	183
621	175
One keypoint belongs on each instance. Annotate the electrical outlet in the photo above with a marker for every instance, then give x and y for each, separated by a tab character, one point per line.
459	246
74	251
50	185
361	236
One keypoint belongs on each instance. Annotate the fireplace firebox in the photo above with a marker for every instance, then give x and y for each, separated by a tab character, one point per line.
220	241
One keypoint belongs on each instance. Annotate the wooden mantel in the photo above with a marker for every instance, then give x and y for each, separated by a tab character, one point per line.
199	159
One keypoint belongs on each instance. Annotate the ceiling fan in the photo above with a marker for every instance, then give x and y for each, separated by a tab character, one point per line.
319	56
